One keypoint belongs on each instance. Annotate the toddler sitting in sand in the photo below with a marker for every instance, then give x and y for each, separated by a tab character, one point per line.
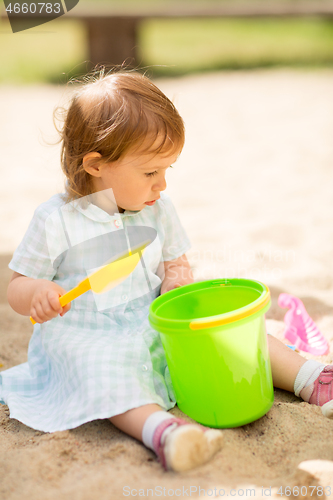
99	357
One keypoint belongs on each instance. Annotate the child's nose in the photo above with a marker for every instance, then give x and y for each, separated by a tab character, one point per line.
160	184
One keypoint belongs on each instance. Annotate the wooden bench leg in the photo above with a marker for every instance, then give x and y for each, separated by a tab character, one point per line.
113	41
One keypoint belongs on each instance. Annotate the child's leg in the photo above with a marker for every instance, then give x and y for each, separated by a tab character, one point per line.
285	364
131	422
309	379
178	444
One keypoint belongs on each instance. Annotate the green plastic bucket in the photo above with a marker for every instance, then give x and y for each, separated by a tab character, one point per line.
214	337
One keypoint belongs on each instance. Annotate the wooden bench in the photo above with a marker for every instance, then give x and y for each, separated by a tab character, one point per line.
113	33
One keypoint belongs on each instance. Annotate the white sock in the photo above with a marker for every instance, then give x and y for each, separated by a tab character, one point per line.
306	376
150	425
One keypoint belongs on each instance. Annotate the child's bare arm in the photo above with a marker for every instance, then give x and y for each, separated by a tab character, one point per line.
177	273
37	298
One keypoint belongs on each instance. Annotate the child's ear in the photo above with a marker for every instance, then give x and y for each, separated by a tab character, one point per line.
91	164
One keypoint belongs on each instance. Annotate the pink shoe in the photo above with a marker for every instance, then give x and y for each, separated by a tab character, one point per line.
322	394
182	446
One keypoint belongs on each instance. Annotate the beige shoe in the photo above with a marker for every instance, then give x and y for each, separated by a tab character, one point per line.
183	446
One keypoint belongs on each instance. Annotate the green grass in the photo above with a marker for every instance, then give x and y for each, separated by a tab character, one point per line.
55	51
52	52
185	45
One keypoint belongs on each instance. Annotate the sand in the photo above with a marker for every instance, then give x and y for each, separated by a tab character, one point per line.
253	190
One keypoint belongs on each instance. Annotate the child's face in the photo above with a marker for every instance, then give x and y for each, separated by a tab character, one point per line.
136	180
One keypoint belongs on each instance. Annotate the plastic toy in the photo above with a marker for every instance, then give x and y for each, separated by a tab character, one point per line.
301	330
106	277
214	336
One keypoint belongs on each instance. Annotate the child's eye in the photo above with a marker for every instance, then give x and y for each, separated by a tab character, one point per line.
150	174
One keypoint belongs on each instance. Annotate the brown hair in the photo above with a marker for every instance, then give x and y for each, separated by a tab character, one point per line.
112	115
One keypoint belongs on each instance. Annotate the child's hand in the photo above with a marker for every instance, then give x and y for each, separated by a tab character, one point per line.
45	303
177	273
166	287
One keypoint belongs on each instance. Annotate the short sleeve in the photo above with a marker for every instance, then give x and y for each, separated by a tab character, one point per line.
34	257
176	241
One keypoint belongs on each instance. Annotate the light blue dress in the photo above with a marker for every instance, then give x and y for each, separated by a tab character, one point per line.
102	358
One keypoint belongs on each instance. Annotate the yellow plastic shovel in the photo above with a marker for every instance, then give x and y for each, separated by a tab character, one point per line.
106	277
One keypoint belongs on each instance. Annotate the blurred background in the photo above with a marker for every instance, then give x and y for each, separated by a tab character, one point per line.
254	83
185	36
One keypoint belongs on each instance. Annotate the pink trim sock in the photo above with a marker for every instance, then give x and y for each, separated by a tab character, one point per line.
304	382
150	426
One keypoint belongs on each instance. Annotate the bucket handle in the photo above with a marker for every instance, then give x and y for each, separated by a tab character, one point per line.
200	324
